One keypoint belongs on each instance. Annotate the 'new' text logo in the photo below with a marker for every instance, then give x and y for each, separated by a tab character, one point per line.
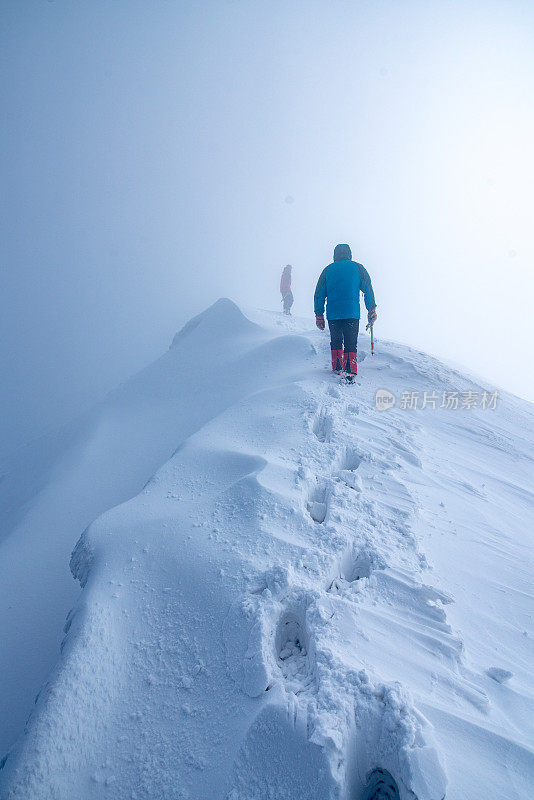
384	400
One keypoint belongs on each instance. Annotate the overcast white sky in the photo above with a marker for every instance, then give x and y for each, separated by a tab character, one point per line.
157	155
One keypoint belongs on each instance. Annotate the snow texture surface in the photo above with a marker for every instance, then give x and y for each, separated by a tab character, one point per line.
309	598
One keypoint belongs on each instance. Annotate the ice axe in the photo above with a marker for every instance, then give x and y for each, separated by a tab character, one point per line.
370	325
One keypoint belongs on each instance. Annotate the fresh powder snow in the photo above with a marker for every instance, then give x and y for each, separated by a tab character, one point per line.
291	588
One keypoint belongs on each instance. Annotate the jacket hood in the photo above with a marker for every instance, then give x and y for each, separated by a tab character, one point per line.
342	252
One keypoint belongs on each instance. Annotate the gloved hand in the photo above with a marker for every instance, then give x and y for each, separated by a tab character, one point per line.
319	321
371	316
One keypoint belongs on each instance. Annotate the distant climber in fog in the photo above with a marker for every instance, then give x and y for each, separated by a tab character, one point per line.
285	289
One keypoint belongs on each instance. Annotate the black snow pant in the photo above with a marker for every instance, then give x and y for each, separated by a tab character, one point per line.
344	335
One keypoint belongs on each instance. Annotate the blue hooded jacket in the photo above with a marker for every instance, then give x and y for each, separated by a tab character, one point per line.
341	282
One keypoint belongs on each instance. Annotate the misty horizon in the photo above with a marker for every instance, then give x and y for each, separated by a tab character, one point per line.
158	157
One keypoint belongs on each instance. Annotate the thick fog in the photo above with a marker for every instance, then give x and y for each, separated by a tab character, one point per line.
159	154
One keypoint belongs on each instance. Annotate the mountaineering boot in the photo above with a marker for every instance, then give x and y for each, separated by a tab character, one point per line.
337	357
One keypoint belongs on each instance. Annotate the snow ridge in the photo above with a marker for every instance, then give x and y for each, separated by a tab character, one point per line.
293	619
285	610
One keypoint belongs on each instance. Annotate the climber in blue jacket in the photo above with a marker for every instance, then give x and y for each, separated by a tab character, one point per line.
340	284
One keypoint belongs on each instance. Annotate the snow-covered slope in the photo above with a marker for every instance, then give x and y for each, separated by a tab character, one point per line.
309	599
61	483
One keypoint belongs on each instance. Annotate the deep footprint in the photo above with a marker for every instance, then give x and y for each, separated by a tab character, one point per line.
292	653
380	786
317	504
347	466
323	426
355	567
359	567
350	460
